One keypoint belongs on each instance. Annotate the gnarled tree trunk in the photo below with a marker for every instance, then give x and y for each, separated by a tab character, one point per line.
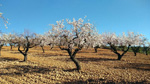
25	57
24	53
26	49
72	56
119	57
77	63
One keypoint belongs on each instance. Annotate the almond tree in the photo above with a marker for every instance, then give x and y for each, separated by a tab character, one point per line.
139	40
9	38
52	37
42	44
26	41
113	41
97	42
44	41
75	38
124	42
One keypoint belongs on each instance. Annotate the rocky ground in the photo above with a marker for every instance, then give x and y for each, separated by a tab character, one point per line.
54	66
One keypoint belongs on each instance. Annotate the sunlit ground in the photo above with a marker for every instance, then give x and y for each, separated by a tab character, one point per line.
54	66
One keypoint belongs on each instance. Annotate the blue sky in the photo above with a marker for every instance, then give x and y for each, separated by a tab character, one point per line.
107	15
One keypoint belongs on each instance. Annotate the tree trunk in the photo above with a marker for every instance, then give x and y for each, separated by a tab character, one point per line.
134	53
95	50
135	50
76	62
119	57
11	47
72	55
25	57
43	49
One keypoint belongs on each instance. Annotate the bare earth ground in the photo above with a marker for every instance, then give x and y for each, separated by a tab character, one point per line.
54	66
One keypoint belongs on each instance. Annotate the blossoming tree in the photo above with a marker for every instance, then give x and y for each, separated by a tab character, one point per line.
43	39
124	42
9	38
52	37
138	40
97	42
26	41
75	38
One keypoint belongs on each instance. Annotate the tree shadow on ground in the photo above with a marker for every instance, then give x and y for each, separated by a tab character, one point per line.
90	51
95	59
70	70
43	54
47	49
107	54
85	60
23	69
49	55
137	66
86	52
9	59
102	81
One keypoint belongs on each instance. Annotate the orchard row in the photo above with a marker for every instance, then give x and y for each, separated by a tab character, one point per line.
79	35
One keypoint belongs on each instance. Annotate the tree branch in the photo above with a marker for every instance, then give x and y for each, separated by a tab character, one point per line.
20	50
62	48
126	50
